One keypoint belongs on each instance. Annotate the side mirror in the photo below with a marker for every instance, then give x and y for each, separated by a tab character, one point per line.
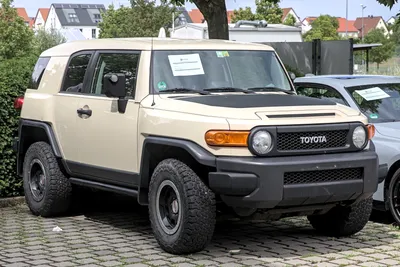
292	76
114	85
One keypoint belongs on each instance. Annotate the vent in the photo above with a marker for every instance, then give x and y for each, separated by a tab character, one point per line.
323	176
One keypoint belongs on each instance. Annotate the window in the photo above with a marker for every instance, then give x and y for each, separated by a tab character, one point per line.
322	93
94	33
38	71
72	17
97	16
126	63
76	73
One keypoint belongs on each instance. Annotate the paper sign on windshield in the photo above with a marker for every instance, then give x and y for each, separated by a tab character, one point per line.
372	93
186	65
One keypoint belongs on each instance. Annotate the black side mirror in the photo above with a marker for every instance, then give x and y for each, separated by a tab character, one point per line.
114	86
292	76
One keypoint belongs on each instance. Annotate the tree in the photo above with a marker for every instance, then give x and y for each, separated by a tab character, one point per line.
269	11
46	39
290	20
382	53
143	19
242	14
15	37
324	28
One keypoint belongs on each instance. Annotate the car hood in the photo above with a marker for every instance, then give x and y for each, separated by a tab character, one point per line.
278	108
389	129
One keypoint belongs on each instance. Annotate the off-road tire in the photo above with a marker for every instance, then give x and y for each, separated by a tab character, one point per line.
389	196
343	221
57	194
197	206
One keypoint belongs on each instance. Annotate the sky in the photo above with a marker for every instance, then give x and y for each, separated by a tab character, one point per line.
303	8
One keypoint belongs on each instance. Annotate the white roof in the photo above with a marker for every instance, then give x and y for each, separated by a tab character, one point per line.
270	27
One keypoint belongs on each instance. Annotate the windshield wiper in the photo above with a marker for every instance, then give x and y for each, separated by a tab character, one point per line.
229	89
271	89
182	90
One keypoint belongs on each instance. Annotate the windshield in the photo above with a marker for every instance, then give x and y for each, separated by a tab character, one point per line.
380	103
208	69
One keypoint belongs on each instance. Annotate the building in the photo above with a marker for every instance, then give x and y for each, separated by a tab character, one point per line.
352	31
41	17
197	17
370	23
290	11
391	21
22	13
306	24
84	17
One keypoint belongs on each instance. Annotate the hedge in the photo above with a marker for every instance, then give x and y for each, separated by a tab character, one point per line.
14	79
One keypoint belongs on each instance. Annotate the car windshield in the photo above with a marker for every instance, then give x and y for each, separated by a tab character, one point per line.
380	103
217	71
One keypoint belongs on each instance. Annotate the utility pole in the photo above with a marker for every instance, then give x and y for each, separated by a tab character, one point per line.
362	22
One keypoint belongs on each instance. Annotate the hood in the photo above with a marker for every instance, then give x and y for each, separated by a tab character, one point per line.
389	129
261	106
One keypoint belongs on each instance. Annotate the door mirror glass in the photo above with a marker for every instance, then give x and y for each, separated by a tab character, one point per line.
114	85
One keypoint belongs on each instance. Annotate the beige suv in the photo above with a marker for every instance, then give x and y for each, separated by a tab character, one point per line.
190	127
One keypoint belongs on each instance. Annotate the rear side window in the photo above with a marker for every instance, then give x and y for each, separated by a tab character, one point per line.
76	73
38	71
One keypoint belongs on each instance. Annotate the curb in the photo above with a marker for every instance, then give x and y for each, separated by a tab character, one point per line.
11	201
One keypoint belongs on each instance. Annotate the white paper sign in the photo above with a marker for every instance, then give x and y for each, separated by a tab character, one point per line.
372	93
186	65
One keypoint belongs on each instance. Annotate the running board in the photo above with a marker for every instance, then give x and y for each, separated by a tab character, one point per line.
105	187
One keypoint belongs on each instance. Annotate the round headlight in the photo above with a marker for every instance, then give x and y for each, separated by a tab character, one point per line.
262	142
359	137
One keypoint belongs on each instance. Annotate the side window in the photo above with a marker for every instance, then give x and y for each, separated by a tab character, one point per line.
76	73
322	93
126	63
38	71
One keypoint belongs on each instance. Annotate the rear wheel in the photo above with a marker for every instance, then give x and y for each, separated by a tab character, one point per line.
393	197
47	189
181	208
343	220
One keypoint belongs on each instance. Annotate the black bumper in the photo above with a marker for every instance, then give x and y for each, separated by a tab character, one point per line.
295	181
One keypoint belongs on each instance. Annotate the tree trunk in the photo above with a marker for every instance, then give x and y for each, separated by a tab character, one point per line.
214	12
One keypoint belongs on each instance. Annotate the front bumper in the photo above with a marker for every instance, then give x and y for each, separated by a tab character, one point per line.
295	181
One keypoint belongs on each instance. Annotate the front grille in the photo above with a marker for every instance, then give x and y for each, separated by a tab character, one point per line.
292	140
307	177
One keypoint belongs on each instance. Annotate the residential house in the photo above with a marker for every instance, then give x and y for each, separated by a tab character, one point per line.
391	21
287	11
352	31
370	23
84	17
197	17
22	13
306	24
41	17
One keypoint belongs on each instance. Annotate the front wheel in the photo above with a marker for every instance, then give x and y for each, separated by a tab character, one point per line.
343	220
181	208
393	197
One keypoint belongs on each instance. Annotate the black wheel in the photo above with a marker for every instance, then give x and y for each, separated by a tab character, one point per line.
47	190
393	196
343	220
181	208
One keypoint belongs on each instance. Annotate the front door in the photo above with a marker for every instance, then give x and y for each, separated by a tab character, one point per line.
108	139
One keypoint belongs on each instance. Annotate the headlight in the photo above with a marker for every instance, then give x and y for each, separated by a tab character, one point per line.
359	136
261	142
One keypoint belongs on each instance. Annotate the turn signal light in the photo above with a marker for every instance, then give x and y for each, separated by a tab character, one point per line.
371	131
227	138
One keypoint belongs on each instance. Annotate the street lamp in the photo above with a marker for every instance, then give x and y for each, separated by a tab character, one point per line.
362	21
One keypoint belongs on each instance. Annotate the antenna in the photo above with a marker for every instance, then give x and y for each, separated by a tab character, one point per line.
152	87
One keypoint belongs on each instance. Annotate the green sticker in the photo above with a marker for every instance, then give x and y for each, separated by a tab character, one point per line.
373	116
162	86
222	54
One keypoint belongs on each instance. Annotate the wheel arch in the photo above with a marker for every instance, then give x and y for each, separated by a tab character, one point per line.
155	149
29	132
392	170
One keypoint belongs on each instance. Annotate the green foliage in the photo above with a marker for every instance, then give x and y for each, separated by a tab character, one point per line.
388	3
290	20
46	39
295	71
267	10
142	19
324	28
15	37
382	53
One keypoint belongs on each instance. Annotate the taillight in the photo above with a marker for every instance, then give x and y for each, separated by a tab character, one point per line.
18	102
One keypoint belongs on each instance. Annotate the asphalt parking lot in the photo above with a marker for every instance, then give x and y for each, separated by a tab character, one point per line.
118	233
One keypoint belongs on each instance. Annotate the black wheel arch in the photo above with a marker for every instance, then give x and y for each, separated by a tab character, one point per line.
392	170
31	131
189	152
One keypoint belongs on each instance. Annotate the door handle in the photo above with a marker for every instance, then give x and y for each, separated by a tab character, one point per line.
87	112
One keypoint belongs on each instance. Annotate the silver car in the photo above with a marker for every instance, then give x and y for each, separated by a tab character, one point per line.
378	98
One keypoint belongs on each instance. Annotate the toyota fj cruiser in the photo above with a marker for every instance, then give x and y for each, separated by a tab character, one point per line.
187	126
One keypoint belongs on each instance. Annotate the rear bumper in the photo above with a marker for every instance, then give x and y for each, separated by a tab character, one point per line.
295	181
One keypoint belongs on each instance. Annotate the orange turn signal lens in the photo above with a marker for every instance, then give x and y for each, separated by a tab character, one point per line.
227	138
371	131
